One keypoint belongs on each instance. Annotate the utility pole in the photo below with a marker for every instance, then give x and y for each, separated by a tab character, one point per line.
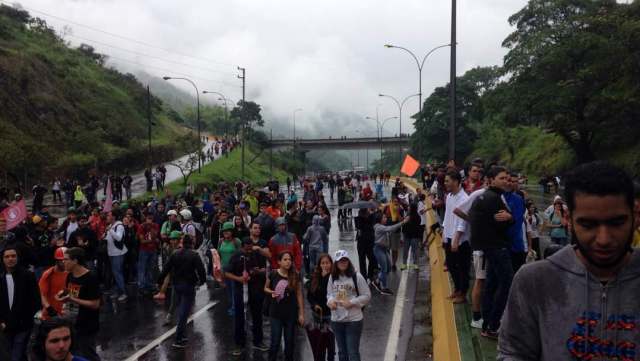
149	125
242	121
452	84
271	155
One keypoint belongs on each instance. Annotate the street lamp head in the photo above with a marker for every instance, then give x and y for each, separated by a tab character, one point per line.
389	46
166	77
381	95
205	92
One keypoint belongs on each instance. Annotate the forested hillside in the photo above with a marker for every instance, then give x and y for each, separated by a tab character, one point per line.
62	111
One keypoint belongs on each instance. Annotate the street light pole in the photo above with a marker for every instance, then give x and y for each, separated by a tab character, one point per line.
294	125
452	86
243	121
400	105
420	66
197	118
224	99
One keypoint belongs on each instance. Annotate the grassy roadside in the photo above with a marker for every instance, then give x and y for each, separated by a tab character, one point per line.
228	169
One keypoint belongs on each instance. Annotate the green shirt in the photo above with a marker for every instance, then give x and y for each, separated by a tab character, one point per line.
227	249
253	204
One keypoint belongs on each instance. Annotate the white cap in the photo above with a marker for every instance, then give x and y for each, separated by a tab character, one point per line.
557	198
172	213
340	254
186	214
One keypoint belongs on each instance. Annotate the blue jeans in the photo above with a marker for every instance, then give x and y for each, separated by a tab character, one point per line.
384	262
230	290
413	244
185	297
496	286
325	246
348	339
278	328
145	264
117	263
314	254
18	345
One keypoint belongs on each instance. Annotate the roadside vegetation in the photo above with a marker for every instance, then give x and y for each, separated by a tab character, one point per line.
64	112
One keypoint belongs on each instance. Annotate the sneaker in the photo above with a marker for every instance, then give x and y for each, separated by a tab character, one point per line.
376	285
476	324
261	347
237	351
403	267
179	344
167	320
122	298
386	292
489	334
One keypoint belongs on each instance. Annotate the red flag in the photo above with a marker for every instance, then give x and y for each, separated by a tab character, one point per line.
14	214
108	202
409	166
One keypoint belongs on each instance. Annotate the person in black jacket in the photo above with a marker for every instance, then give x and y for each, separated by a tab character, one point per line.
19	301
489	218
364	224
317	297
412	234
187	273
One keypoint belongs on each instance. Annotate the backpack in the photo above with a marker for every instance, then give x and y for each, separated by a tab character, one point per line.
199	235
119	244
354	277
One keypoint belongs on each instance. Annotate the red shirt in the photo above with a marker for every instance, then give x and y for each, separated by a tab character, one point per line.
149	232
97	225
50	284
276	246
471	187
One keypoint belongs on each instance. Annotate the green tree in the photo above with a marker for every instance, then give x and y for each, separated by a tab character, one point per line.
248	112
429	142
573	69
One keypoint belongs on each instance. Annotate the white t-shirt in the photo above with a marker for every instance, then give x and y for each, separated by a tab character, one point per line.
466	205
534	227
453	223
10	289
70	229
423	216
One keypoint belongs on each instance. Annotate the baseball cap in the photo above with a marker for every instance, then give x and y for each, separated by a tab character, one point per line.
227	226
280	221
340	254
172	213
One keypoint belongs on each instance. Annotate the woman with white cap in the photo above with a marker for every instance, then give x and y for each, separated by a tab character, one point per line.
347	294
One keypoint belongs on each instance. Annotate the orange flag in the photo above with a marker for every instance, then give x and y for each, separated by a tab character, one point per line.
410	166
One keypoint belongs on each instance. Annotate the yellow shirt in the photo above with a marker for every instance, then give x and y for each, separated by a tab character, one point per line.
636	239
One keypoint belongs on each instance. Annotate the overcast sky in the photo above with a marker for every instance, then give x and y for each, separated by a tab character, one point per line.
326	57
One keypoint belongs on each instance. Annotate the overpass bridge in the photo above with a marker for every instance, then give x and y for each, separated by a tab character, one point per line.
344	143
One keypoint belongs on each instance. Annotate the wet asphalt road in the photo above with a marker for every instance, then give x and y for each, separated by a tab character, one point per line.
127	328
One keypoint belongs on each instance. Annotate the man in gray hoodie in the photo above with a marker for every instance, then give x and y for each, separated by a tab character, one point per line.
314	238
582	302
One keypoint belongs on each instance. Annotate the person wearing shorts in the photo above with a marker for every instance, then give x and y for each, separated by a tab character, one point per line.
479	264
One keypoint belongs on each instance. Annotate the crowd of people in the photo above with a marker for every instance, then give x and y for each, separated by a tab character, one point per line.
490	224
266	248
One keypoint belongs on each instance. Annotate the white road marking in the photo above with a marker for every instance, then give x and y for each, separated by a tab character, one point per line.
391	350
168	334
